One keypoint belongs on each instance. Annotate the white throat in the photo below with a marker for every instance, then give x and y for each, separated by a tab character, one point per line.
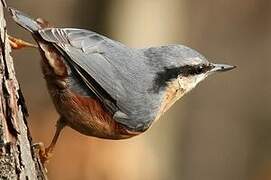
188	83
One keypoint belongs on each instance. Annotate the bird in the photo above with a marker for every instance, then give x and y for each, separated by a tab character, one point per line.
105	89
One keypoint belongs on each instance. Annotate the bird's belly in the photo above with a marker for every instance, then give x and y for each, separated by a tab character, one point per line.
87	116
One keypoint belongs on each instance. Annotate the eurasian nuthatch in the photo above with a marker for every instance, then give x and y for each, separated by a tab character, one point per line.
105	89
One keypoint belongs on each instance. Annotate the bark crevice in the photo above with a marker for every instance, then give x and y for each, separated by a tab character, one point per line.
18	159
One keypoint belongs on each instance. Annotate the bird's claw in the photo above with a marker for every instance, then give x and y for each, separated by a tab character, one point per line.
45	154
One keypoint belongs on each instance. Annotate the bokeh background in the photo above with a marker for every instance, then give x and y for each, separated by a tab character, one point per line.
219	131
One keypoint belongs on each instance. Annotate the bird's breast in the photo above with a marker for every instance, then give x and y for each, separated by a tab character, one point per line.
172	93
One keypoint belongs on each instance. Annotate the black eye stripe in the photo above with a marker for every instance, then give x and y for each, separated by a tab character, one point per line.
168	74
196	69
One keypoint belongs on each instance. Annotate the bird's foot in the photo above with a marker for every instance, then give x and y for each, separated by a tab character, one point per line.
45	154
16	43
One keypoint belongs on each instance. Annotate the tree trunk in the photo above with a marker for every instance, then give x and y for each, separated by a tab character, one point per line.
18	160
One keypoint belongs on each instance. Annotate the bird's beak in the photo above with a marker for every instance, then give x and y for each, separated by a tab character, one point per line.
222	67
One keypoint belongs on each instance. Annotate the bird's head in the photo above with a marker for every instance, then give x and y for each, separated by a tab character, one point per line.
179	69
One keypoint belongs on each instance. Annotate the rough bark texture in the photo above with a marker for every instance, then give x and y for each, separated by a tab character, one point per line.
17	157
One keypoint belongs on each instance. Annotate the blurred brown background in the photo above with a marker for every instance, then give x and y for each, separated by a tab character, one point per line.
219	131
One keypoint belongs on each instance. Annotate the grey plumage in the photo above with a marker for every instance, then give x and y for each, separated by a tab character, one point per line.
23	20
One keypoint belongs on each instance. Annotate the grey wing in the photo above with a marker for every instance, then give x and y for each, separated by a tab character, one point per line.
89	51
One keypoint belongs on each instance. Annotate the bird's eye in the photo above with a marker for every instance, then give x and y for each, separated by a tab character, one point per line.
199	69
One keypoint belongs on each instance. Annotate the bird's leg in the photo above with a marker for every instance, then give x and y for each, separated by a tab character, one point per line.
47	153
16	43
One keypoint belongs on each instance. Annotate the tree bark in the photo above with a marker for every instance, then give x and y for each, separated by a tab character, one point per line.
18	159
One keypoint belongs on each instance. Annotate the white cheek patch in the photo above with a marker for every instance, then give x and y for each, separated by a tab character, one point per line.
188	83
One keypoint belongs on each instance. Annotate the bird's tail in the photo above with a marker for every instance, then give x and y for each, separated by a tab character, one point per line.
24	20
